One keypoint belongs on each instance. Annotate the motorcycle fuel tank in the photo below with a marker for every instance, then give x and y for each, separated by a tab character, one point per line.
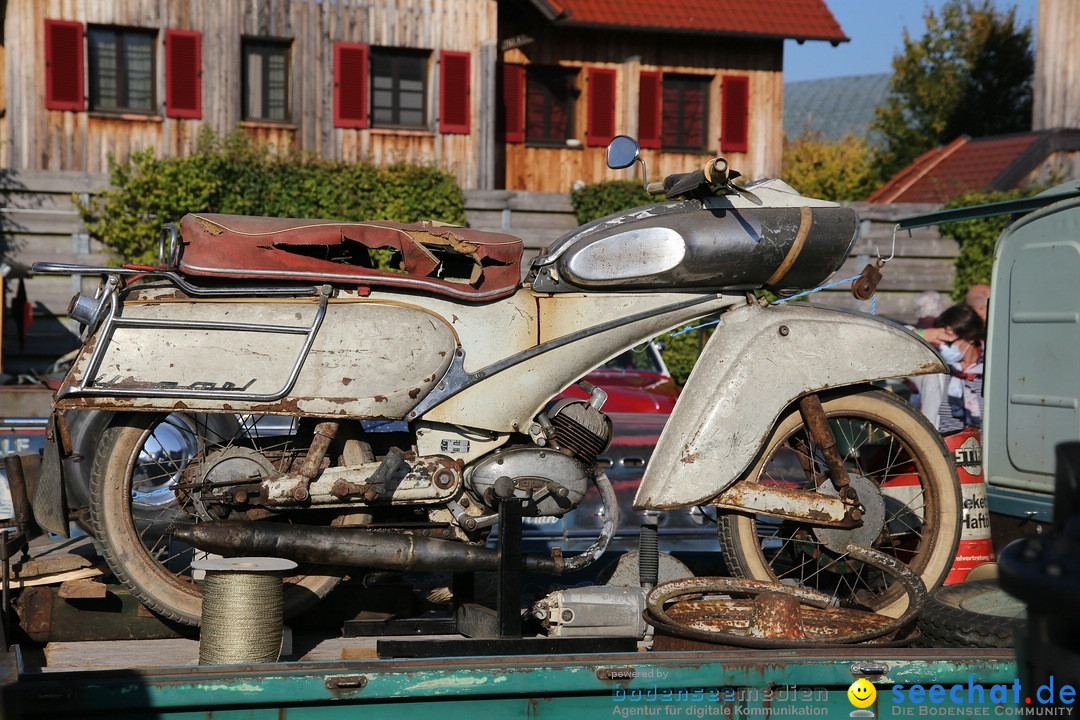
725	243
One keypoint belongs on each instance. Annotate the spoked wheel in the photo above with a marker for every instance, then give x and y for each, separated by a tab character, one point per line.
902	473
140	491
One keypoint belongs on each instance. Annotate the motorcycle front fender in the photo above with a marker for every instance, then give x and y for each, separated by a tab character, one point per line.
758	361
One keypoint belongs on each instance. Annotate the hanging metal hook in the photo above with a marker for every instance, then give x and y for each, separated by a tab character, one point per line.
892	253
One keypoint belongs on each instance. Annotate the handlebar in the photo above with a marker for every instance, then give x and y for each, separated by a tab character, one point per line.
714	172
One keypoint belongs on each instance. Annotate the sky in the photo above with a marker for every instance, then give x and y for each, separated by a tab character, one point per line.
876	31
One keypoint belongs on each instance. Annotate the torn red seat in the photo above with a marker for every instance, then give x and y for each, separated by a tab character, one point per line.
428	257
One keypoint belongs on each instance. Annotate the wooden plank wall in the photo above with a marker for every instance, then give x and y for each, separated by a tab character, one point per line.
39	223
50	140
924	260
546	169
1056	101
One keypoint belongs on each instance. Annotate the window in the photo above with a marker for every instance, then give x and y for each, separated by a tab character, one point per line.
454	92
735	95
549	104
510	115
685	115
601	119
399	88
649	95
121	69
266	80
64	65
350	85
183	74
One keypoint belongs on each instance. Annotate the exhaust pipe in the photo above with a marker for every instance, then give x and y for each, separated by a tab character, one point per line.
351	547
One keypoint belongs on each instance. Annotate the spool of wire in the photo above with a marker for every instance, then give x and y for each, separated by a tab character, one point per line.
241	609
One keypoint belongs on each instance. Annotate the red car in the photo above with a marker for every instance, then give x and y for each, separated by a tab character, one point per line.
637	381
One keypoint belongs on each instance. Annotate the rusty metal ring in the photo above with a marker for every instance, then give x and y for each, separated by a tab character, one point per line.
657	616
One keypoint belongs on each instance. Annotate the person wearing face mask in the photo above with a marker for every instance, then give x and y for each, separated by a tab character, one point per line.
954	401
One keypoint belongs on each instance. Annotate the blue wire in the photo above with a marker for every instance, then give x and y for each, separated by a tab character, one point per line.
873	304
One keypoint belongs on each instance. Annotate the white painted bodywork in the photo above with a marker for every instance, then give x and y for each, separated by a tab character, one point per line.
374	356
758	361
378	356
508	400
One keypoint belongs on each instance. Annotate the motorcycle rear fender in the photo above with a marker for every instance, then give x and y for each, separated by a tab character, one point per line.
759	360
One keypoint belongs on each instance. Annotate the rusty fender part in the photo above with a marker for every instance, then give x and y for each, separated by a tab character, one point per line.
757	363
785	503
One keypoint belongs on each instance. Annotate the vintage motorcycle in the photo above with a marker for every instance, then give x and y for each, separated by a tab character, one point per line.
272	391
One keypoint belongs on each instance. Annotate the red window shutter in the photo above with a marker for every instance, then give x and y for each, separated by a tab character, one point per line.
183	74
735	131
513	103
649	93
601	126
64	65
454	92
350	85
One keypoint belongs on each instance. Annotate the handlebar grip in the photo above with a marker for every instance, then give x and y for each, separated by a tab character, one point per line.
655	188
716	170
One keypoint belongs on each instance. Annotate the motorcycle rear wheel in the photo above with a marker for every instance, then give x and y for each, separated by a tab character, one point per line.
886	442
133	508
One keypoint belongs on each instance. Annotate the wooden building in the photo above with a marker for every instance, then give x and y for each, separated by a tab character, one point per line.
414	80
349	81
691	79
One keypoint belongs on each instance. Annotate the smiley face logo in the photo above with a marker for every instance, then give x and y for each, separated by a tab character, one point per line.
861	693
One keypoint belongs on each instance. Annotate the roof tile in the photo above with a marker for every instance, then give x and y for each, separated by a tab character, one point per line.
799	19
963	166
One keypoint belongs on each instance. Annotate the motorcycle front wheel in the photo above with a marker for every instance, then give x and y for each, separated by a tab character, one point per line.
135	505
897	462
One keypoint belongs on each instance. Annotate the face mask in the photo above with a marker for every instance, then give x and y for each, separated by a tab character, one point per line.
951	354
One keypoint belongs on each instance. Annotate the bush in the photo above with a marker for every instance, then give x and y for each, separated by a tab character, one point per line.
604	198
236	175
820	168
977	238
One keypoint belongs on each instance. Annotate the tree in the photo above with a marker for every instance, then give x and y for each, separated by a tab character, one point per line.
971	73
840	170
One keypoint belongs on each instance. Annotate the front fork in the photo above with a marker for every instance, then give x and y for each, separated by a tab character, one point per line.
842	511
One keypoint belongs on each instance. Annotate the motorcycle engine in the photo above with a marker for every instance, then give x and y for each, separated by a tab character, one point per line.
550	479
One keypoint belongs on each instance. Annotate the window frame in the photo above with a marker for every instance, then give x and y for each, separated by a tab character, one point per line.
571	76
123	79
684	81
378	54
267	45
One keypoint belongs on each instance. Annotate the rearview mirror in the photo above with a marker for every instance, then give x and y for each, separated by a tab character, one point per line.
622	152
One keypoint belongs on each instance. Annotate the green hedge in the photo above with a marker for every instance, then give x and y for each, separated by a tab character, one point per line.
235	174
604	198
977	238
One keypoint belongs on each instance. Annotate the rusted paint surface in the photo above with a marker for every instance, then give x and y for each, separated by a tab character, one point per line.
784	502
35	611
776	615
699	609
